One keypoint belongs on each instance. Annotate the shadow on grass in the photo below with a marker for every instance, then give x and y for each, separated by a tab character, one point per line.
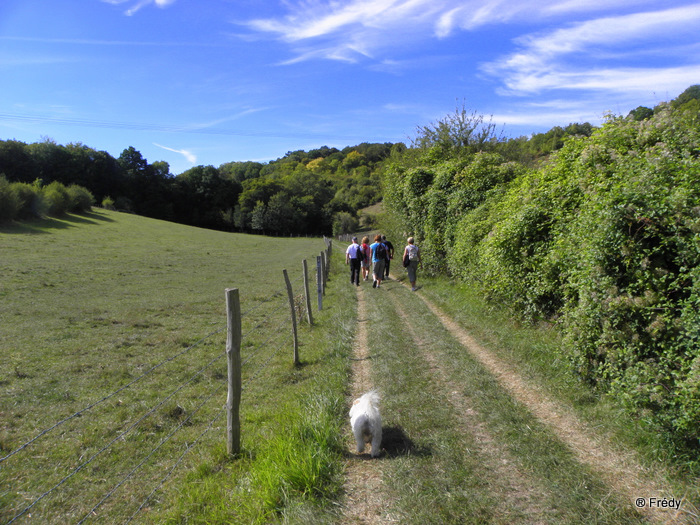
47	224
395	443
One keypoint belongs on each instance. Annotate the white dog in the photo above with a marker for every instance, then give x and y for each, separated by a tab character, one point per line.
366	422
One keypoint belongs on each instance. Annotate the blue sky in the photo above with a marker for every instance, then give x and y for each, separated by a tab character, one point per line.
195	82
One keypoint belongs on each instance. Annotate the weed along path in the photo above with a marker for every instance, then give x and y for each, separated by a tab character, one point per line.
467	439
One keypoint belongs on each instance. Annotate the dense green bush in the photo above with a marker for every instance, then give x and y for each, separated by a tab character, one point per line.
20	200
81	200
33	202
57	197
604	239
9	200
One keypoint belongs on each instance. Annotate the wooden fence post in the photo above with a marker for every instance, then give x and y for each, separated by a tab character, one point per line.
319	281
290	294
233	354
324	265
309	317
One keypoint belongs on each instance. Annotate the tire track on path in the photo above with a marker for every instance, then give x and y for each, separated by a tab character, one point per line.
365	501
622	472
520	490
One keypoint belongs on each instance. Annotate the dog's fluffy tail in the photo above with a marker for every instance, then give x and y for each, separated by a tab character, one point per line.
370	399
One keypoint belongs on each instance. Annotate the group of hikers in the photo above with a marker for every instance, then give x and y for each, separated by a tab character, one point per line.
378	255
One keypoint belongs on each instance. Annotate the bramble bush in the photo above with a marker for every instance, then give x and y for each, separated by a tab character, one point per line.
604	239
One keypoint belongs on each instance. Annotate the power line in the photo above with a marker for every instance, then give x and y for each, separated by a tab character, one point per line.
167	128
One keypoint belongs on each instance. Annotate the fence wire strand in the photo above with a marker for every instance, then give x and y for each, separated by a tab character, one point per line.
109	396
177	463
281	294
150	454
119	436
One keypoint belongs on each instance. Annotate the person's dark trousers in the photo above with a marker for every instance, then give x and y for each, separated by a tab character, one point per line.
355	270
387	268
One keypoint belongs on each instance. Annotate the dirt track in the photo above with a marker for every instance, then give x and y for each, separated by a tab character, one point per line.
366	501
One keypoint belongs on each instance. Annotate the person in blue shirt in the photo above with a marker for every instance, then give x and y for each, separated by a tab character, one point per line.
379	255
353	257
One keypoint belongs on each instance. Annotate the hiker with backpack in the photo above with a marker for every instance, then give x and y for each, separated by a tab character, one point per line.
379	255
412	254
353	257
389	254
366	261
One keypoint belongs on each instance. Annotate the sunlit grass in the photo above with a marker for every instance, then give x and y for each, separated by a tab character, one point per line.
89	304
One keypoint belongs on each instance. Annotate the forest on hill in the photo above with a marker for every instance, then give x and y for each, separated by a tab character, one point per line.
317	192
314	192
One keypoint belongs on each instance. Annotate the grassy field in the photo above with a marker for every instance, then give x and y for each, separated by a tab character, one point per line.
91	303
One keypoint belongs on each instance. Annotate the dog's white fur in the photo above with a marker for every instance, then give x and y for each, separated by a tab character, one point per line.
366	422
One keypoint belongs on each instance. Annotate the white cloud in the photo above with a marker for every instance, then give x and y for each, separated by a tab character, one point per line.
351	30
140	4
348	30
189	157
561	59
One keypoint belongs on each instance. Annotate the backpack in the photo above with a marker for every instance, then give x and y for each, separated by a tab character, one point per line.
380	253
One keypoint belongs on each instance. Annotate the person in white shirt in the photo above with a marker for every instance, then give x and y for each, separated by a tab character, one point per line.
353	257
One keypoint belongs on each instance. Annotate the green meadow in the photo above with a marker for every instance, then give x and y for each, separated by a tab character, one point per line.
129	314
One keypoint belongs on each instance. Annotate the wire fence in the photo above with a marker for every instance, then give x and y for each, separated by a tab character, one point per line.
110	442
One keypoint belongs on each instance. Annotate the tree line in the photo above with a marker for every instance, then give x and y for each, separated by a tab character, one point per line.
316	192
599	238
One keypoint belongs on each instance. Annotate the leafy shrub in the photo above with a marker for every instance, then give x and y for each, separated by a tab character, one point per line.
343	222
32	201
57	197
108	203
81	200
9	201
604	238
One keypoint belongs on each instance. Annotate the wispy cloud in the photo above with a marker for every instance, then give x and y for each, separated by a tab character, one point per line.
189	156
348	30
561	59
139	4
351	30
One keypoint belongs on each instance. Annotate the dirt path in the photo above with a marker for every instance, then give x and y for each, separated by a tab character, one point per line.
621	472
365	502
520	490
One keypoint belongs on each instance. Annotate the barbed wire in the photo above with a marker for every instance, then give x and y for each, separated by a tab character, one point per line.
150	454
273	295
253	376
260	347
109	396
119	436
177	463
266	319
